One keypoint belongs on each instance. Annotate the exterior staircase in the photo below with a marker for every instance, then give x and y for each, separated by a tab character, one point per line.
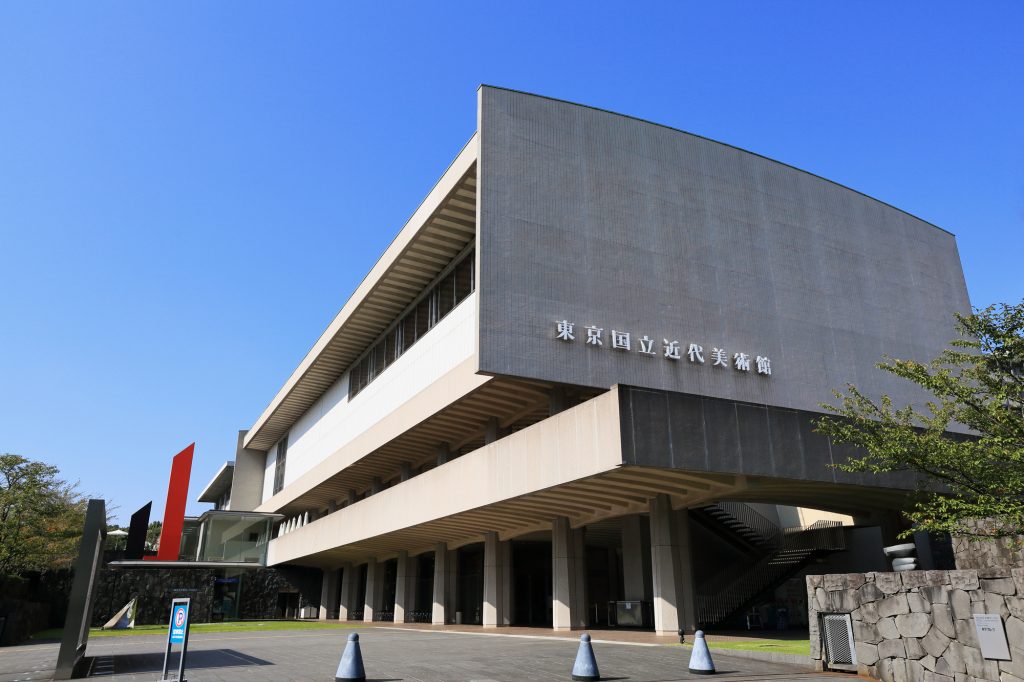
776	555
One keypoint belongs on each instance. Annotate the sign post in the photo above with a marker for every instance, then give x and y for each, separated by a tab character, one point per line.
177	633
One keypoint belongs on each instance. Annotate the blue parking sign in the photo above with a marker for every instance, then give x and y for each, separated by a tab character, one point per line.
177	633
179	621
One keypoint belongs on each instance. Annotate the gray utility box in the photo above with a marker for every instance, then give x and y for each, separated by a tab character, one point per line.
629	614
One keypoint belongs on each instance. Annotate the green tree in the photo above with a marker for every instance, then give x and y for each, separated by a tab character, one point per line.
153	535
971	485
41	516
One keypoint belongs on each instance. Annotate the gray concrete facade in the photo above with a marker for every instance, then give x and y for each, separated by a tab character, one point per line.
606	220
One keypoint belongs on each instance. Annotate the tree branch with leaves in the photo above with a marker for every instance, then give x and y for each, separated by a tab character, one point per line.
972	484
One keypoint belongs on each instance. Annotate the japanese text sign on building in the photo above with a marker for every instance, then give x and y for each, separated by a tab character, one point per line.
669	349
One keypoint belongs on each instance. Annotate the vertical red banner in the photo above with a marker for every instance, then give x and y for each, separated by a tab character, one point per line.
174	510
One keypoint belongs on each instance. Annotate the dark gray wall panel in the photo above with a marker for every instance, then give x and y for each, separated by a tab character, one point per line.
607	220
658	428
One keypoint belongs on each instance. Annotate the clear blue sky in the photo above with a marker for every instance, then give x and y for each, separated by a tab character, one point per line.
190	191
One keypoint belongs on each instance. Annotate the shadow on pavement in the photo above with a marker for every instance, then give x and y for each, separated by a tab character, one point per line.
203	658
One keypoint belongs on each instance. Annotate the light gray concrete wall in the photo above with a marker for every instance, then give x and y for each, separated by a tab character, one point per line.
247	479
606	220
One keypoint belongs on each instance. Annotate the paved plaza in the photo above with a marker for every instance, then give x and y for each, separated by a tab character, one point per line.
389	654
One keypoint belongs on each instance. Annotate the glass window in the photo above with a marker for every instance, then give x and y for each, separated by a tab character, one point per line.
409	330
423	317
446	295
464	278
279	464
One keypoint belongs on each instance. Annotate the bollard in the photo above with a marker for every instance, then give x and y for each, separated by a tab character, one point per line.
700	659
682	636
351	666
585	668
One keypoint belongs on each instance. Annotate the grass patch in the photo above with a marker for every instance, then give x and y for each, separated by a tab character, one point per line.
800	647
200	628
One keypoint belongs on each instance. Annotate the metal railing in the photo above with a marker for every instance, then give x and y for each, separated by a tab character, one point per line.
733	588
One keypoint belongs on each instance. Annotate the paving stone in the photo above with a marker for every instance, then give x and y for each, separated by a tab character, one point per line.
954	657
996	604
977	666
869	612
1015	632
914	649
892	648
915	671
889	583
866	653
866	632
999	586
821	599
844	601
937	594
928	662
961	603
887	628
870	592
943	619
893	606
964	580
1017	575
913	624
935	677
935	642
912	579
1015	605
918	603
965	633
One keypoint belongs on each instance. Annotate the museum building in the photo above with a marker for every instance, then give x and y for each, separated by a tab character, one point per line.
579	387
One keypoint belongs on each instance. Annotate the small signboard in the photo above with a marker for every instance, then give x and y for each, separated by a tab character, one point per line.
991	636
179	622
177	633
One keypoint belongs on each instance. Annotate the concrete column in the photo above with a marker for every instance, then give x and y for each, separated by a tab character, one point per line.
405	472
567	589
328	592
348	591
497	576
494	431
556	401
636	578
688	616
505	557
443	453
453	586
403	587
351	496
665	570
376	486
374	589
441	585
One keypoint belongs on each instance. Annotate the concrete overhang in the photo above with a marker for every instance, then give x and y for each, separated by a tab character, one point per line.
440	228
219	484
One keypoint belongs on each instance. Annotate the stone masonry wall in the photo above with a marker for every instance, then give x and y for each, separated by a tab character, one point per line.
917	626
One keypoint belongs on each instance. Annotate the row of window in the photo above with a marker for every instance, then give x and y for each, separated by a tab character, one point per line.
438	302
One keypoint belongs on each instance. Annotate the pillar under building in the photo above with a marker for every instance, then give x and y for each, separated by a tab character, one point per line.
497	610
405	586
348	591
374	590
671	575
328	592
442	593
568	577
